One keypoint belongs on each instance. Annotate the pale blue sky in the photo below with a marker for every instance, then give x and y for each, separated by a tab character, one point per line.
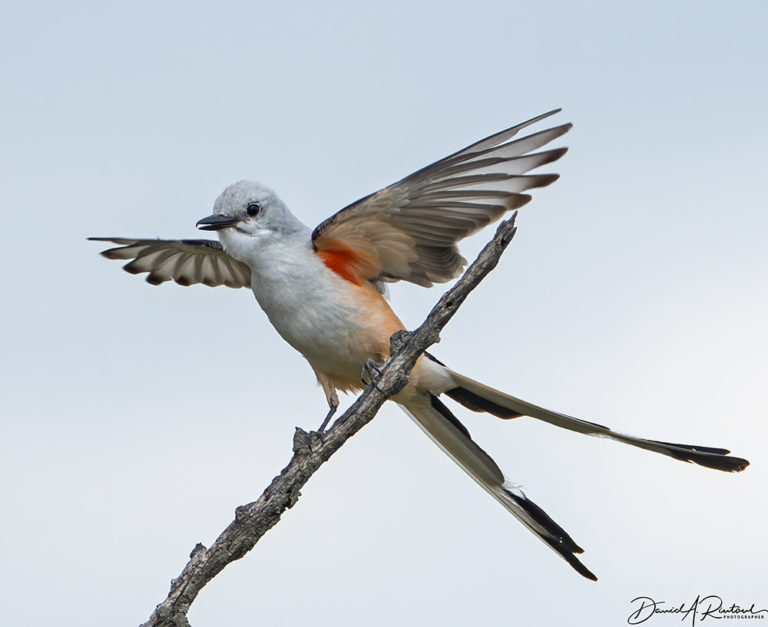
136	418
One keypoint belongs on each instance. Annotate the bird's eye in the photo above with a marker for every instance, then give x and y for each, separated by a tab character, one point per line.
253	208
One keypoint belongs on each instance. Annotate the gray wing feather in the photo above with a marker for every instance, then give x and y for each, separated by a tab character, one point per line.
413	225
187	261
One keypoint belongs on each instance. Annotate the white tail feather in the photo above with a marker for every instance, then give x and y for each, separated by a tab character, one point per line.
480	397
450	435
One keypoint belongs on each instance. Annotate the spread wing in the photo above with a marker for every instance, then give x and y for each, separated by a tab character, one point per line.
185	261
408	231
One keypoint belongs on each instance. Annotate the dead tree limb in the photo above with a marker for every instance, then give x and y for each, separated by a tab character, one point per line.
311	450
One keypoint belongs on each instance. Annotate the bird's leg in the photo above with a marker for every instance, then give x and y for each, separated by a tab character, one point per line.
330	395
333	404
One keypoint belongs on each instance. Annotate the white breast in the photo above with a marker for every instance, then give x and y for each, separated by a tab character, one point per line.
311	307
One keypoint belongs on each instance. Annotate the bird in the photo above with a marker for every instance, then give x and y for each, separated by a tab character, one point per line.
325	292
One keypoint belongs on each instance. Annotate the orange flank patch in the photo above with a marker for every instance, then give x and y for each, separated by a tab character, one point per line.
355	266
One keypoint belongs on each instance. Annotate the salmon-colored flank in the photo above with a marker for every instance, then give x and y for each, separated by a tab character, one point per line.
342	262
355	266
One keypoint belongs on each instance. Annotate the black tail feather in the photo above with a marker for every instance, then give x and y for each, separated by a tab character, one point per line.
717	458
695	447
556	536
541	517
472	401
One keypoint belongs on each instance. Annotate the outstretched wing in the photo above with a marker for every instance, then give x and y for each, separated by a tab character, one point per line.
185	261
408	231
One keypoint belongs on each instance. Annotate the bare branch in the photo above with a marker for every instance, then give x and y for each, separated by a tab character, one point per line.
311	450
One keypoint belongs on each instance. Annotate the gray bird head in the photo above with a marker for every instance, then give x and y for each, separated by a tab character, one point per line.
247	213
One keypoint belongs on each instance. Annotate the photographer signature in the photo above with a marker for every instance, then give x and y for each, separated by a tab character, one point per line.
710	606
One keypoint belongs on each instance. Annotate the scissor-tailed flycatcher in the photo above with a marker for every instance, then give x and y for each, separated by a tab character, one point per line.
323	291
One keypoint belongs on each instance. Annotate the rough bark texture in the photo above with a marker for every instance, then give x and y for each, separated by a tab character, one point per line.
311	450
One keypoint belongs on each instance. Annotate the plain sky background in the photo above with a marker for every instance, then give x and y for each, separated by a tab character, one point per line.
136	418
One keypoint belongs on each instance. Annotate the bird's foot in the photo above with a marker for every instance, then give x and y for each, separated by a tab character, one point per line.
370	371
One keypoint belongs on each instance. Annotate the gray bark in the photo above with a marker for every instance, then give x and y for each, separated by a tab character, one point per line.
311	450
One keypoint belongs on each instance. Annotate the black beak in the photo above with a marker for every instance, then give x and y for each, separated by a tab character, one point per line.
215	222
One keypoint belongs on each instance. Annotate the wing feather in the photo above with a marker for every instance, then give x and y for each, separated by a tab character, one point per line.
186	262
408	231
